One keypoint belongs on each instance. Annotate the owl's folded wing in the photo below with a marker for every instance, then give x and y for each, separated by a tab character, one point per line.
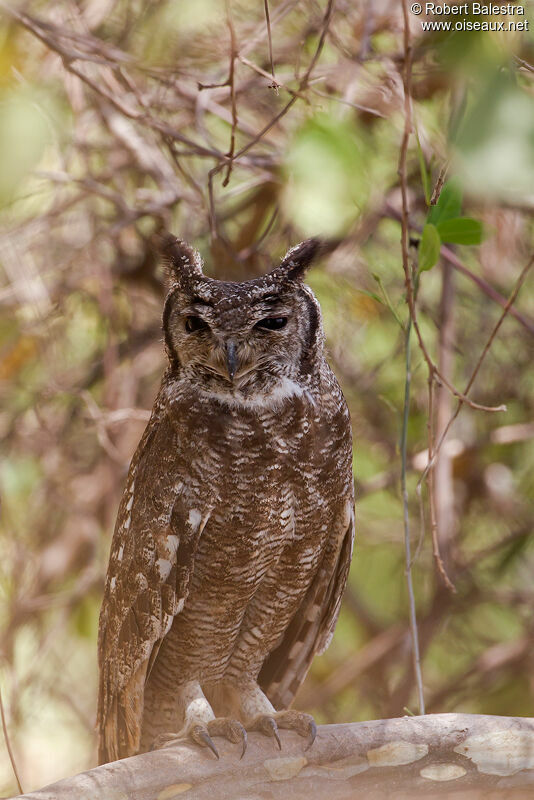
312	627
150	566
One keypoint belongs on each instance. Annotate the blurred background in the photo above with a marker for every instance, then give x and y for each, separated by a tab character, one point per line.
123	118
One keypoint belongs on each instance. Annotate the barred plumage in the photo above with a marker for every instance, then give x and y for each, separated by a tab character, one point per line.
234	535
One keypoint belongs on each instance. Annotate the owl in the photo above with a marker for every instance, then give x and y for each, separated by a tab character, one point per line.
234	535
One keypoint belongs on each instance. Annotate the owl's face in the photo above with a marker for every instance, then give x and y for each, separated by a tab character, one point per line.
239	335
236	332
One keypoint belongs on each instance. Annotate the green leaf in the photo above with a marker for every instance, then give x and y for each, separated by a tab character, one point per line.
429	247
449	204
461	230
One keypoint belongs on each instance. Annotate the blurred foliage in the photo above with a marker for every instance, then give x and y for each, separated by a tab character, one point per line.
106	139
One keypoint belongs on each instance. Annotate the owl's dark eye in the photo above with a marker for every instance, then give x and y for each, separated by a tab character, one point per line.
272	323
195	324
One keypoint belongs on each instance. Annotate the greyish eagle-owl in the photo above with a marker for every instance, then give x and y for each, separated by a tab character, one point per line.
234	535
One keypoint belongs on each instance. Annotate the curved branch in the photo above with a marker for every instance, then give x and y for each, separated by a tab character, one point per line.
404	757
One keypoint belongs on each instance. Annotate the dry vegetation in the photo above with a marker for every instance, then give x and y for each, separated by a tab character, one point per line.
121	118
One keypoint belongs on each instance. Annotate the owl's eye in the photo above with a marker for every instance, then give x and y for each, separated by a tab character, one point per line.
195	324
272	323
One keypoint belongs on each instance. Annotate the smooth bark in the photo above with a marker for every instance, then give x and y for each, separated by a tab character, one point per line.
437	755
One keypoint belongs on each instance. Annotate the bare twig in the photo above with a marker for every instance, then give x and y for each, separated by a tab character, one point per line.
272	122
274	84
436	552
426	355
406	517
8	746
488	290
231	84
407	78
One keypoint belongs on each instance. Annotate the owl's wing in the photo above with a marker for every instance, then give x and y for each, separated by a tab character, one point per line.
151	561
311	629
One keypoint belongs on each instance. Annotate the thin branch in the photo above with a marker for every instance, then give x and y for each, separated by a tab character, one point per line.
410	294
487	288
432	490
406	515
231	84
274	84
8	746
266	128
38	28
326	24
358	106
251	65
434	373
407	78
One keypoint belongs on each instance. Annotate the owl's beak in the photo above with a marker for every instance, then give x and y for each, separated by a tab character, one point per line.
232	362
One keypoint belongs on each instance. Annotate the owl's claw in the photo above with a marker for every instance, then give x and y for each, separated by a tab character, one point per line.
312	733
298	721
244	744
200	735
277	737
267	725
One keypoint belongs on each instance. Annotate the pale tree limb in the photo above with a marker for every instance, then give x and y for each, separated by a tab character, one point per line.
443	755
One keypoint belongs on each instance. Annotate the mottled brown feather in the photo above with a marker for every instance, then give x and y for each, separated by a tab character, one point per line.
286	667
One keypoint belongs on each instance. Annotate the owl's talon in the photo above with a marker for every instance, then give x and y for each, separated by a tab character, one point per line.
312	733
277	737
274	727
267	725
200	735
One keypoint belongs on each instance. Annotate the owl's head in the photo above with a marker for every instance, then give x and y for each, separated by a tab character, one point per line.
241	336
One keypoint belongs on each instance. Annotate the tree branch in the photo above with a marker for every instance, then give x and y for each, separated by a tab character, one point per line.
403	757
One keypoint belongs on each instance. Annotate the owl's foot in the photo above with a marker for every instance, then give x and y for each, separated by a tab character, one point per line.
201	733
298	721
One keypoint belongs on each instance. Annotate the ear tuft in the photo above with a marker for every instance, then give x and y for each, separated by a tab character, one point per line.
182	261
297	260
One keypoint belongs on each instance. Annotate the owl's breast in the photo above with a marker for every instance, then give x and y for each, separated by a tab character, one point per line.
243	455
267	478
